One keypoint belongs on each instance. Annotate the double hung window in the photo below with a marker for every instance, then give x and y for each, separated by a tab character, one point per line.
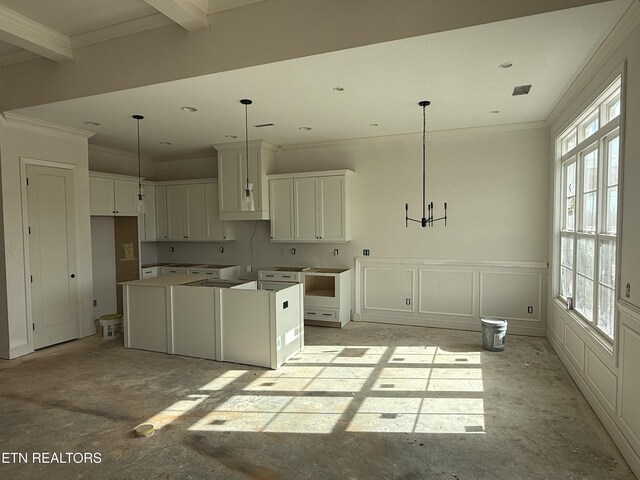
588	152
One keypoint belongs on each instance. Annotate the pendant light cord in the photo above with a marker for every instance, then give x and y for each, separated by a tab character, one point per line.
424	157
137	119
246	143
139	162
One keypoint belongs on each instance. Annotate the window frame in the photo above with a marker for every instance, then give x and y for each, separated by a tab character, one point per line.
600	142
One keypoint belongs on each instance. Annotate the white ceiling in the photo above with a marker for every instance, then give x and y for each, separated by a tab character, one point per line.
457	70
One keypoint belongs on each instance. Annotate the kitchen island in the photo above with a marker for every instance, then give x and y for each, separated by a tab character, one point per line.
224	320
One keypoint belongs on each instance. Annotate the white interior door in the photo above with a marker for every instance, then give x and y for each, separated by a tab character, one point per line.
52	255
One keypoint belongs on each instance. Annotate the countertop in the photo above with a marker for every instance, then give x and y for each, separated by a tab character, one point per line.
166	280
186	265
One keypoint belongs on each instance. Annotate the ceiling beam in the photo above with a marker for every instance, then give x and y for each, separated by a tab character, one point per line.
184	12
25	33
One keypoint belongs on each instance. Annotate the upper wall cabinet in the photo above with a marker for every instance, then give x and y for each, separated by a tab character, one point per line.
232	177
311	207
113	195
188	211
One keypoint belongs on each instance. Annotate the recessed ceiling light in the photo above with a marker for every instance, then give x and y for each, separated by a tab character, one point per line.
305	128
494	111
231	137
506	65
164	143
189	109
338	89
93	124
373	124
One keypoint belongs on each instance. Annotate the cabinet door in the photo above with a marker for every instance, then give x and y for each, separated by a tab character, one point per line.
195	212
161	213
176	210
305	208
230	181
331	209
101	196
149	213
126	197
281	209
214	228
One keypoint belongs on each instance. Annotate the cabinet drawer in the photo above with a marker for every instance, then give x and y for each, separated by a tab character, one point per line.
320	314
208	273
172	271
150	272
278	276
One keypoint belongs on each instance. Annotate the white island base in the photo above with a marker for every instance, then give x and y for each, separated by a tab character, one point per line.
215	319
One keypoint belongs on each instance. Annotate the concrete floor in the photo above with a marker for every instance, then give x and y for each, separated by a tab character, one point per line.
366	402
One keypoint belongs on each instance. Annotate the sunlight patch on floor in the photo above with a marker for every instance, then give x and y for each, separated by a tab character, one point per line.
405	389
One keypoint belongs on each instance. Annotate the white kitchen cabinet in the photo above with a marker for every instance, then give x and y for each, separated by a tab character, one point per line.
319	209
281	202
215	229
228	321
327	296
110	196
189	212
233	174
161	213
186	212
168	270
193	321
148	217
149	272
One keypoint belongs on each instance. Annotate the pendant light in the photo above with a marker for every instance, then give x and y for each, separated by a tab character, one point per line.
427	219
248	204
140	195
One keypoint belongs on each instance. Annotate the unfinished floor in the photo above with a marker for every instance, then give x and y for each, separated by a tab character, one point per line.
369	401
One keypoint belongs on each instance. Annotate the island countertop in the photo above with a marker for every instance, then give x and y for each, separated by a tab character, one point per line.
166	280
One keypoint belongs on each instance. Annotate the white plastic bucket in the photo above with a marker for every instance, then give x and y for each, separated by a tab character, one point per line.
494	334
111	325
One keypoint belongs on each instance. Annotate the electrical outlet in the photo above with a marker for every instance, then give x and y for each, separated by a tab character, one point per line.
249	268
95	302
366	252
530	309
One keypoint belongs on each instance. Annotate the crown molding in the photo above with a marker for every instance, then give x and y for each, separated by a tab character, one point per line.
625	26
120	30
12	118
120	153
33	36
410	137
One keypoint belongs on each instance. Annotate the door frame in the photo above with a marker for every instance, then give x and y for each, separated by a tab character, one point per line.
24	163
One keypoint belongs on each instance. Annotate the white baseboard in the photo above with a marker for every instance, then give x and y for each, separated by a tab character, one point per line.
15	352
609	422
472	325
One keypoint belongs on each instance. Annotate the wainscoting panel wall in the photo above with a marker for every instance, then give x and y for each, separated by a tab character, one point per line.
606	374
451	294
